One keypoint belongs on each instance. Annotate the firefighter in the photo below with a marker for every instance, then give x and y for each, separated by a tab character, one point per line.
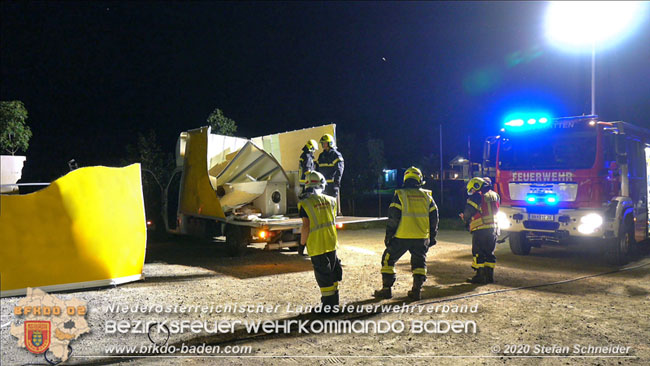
412	226
318	233
330	164
480	218
306	165
307	160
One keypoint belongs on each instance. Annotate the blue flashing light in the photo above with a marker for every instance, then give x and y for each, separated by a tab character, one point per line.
527	120
551	200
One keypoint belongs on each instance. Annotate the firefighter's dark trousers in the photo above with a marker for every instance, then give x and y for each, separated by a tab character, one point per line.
331	190
328	271
396	249
483	243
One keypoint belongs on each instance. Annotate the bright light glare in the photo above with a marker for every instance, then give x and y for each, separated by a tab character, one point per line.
586	229
592	219
502	220
531	199
543	120
589	223
579	25
515	122
532	121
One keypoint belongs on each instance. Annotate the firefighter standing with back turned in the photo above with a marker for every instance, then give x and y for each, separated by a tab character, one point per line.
330	164
480	216
318	232
412	226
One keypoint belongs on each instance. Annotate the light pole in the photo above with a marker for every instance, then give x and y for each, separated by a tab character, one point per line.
593	78
580	26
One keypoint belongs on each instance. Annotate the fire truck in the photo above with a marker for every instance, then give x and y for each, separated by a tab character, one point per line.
562	180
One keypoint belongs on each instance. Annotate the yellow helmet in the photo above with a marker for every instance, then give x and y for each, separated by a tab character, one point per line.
475	184
414	173
315	179
328	138
311	145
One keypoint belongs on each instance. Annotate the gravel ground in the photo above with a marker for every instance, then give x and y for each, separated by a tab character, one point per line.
606	310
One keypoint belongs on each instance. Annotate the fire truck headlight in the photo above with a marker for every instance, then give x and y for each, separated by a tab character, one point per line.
502	221
589	223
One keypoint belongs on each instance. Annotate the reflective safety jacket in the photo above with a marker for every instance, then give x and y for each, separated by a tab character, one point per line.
416	205
306	164
485	213
330	164
321	211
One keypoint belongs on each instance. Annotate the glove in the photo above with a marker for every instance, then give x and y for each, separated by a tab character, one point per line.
387	241
432	242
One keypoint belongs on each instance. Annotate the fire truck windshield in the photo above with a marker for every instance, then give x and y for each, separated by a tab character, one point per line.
553	149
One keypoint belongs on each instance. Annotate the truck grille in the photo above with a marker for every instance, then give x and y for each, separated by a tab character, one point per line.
541	225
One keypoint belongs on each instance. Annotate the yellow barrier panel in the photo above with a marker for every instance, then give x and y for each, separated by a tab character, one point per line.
86	229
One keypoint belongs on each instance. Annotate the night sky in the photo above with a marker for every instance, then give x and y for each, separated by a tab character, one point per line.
93	75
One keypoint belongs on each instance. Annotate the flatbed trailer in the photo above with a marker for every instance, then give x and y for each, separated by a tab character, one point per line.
239	188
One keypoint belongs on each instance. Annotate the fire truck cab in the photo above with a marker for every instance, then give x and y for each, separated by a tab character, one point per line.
573	177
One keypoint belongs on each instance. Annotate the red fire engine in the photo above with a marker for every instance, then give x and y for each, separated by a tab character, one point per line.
574	177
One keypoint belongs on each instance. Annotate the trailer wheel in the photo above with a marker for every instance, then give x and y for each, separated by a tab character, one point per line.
237	238
621	245
519	245
288	236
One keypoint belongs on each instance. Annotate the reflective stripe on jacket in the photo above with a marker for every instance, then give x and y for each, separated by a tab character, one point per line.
330	164
321	210
415	204
485	216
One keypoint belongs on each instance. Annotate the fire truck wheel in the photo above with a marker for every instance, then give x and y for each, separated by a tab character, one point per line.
621	246
236	239
519	245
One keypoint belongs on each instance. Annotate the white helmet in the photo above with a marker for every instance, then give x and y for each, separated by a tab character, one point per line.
315	180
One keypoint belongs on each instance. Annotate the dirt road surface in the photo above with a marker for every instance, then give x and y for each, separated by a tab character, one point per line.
591	316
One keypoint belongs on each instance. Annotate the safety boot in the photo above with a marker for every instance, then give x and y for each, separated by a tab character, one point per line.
387	282
489	274
416	291
480	277
326	306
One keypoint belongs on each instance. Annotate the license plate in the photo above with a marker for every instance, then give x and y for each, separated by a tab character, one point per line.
541	217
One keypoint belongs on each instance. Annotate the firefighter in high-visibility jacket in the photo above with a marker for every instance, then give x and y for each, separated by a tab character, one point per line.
318	233
330	164
480	216
412	226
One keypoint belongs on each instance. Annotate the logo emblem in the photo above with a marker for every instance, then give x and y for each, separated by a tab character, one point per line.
37	335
